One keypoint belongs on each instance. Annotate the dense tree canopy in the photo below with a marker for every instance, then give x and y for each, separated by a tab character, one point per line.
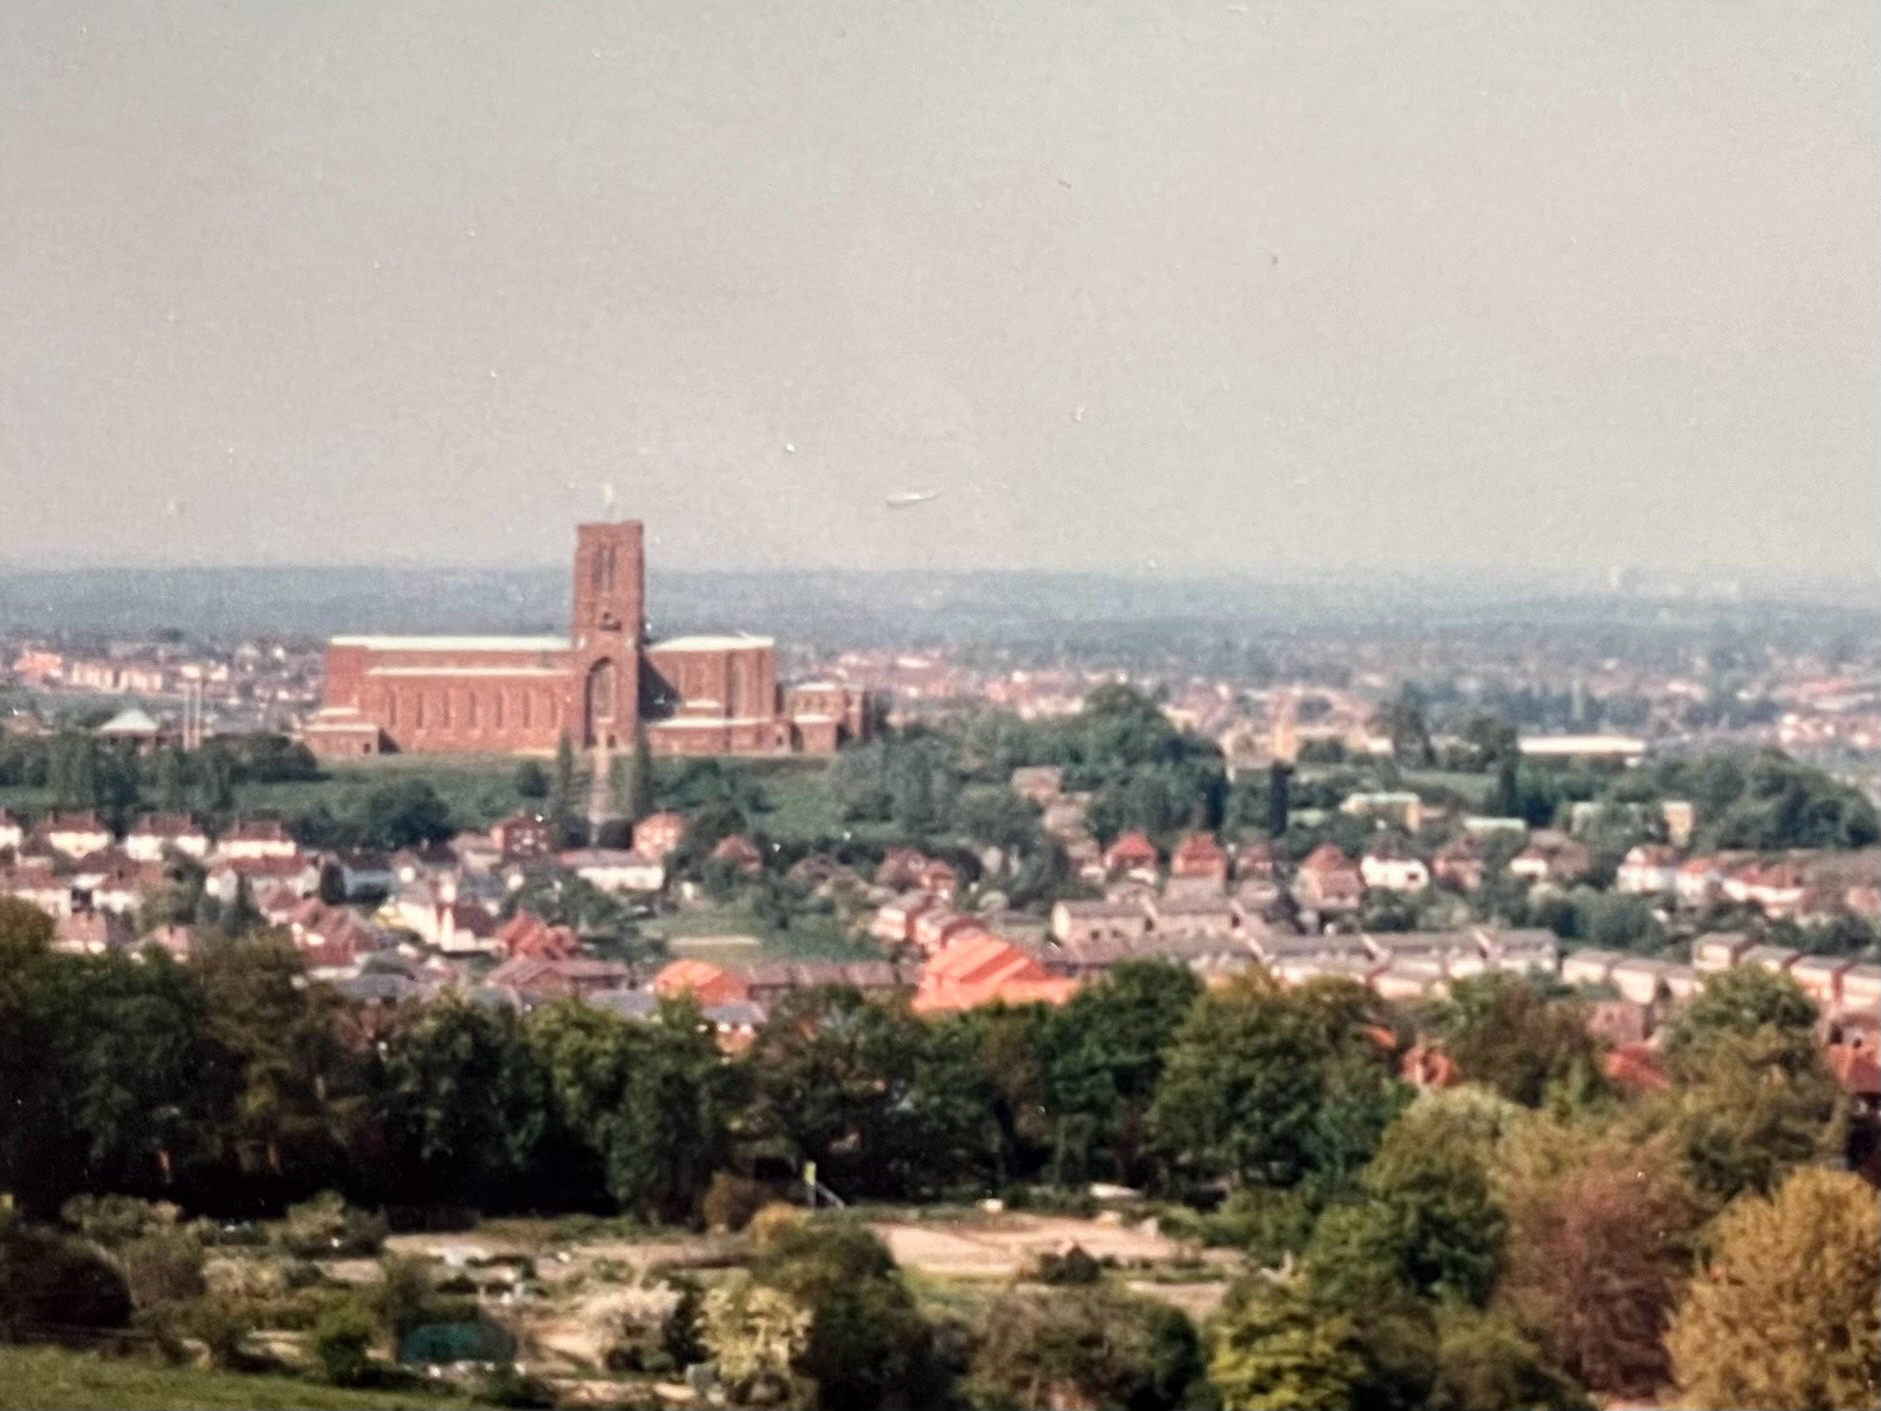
1783	1313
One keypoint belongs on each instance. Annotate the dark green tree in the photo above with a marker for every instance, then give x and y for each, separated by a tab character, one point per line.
1279	797
870	1347
1244	1080
651	1099
1104	1056
466	1107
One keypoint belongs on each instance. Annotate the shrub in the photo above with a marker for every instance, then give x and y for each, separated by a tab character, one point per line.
775	1222
113	1220
326	1226
221	1325
47	1279
1074	1267
402	1298
342	1339
679	1335
163	1266
511	1387
731	1201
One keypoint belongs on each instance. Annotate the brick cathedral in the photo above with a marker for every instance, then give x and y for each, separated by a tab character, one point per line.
711	695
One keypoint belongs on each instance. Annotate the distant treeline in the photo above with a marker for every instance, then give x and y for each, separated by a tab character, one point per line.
1036	615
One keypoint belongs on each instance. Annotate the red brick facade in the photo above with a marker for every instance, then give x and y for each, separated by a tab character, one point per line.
520	695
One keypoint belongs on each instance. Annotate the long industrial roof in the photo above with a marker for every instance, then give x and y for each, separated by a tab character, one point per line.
456	644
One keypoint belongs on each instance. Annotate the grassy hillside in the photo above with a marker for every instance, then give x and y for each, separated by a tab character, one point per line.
51	1378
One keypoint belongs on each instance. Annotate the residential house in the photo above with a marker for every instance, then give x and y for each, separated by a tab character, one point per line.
523	836
255	838
1297	969
1700	883
1776	959
174	941
616	870
770	982
75	834
1411	978
538	978
158	833
1020	926
1427	1067
1861	988
364	874
741	853
1482	827
1651	869
34	882
1043	784
1820	977
1389	865
123	885
1099	921
89	932
1134	856
1529	951
706	983
1635	1066
1199	858
941	925
980	969
464	928
1276	950
1329	881
901	869
1553	858
1459	864
1646	981
1621	1021
226	876
1194	917
1590	967
1459	953
1401	808
1680	818
1255	861
660	834
331	939
134	728
1720	950
524	935
1065	819
1776	889
893	924
736	1024
436	862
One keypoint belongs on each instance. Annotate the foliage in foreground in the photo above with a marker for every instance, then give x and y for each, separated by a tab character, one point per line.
43	1377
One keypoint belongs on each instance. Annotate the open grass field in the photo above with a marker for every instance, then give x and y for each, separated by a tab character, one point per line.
808	938
33	1377
479	789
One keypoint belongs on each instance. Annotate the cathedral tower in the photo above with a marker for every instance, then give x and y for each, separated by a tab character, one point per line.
608	632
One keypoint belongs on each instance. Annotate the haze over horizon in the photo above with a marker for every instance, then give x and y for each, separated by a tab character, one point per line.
1195	288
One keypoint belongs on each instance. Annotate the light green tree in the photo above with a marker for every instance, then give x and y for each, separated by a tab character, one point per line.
1784	1315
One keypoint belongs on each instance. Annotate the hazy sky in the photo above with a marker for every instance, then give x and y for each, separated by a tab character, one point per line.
1213	285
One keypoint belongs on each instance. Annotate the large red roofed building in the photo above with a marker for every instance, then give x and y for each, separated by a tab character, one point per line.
702	695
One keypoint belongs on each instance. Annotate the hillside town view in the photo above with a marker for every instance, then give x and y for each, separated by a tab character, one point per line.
1469	987
1169	706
